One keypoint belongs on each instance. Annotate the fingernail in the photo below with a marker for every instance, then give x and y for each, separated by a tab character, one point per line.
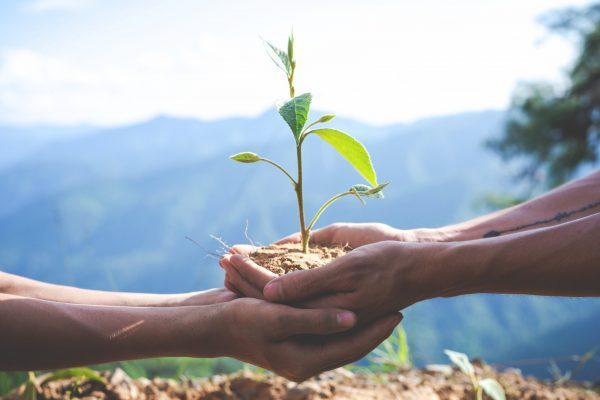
346	319
273	291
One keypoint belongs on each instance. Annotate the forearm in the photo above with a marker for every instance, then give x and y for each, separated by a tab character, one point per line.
39	334
573	200
562	260
19	286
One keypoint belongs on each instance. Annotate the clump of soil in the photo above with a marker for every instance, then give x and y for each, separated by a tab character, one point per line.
284	258
440	382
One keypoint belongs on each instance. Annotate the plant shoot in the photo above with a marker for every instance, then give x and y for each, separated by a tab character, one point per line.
295	113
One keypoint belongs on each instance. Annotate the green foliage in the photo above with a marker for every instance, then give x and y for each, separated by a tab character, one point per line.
393	354
553	130
295	113
11	380
461	360
351	149
175	368
30	392
246	157
81	373
490	386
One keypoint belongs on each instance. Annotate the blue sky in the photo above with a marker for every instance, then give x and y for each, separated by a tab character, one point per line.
119	61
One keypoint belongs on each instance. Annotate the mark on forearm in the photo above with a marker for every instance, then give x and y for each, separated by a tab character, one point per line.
557	218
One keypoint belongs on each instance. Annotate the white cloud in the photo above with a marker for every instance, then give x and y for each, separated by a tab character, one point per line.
37	6
382	62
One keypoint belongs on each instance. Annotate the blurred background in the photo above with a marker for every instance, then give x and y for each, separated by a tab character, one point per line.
117	119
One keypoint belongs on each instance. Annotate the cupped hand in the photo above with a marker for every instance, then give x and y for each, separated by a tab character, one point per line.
298	343
372	280
353	234
348	234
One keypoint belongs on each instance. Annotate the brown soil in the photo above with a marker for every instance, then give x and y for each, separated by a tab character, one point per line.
284	258
432	383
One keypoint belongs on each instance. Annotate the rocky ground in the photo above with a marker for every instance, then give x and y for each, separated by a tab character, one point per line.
435	382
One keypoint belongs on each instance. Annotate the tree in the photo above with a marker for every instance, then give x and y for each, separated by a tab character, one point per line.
552	130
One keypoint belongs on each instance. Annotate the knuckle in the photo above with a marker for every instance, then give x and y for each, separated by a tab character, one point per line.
328	320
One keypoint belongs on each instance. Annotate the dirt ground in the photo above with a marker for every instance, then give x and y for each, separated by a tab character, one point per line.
434	382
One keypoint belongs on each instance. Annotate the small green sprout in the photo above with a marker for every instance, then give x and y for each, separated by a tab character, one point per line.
295	113
491	387
394	353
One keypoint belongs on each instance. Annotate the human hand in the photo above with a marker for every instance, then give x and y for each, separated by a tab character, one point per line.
297	343
372	280
353	234
345	234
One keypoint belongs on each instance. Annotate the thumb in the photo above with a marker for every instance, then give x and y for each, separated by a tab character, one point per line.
300	285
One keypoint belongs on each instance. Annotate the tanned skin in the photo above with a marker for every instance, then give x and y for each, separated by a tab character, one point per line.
44	326
547	246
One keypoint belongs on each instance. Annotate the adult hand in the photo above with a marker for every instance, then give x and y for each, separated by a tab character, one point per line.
372	280
297	343
354	234
348	234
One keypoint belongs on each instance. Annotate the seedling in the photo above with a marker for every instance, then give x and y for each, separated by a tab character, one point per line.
491	387
295	113
394	353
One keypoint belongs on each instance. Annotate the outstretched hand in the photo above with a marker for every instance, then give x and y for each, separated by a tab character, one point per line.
353	234
297	343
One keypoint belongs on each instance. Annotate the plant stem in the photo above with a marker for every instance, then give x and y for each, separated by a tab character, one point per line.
479	393
291	84
303	231
273	163
327	204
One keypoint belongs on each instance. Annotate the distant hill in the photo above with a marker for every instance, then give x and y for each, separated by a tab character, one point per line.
110	210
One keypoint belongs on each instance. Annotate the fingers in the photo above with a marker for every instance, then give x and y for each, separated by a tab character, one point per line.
300	285
241	285
244	249
293	238
354	345
295	321
251	272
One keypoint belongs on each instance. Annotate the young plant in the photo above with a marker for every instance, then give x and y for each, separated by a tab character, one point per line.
295	113
490	386
394	353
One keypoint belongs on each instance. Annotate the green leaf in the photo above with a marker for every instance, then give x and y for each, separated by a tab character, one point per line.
82	372
279	57
351	149
493	389
245	157
368	191
325	118
295	113
461	361
290	52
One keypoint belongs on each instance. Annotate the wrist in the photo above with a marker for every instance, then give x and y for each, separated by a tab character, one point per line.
194	331
424	235
465	267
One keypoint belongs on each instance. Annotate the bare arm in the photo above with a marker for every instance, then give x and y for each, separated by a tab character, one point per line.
573	200
19	286
560	260
39	334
